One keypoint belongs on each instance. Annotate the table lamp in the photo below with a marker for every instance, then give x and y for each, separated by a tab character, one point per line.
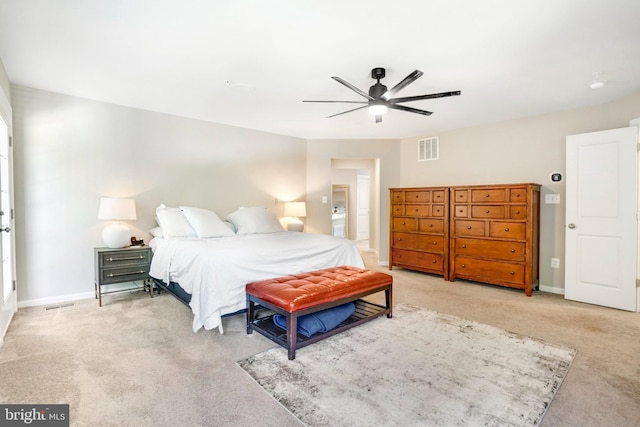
295	210
117	234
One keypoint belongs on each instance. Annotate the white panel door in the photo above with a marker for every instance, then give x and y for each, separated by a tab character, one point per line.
8	301
601	218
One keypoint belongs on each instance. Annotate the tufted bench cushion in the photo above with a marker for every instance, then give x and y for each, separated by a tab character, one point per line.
301	294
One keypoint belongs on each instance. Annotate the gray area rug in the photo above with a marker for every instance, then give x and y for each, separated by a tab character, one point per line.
418	368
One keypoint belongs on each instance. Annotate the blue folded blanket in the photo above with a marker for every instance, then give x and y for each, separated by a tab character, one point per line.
321	321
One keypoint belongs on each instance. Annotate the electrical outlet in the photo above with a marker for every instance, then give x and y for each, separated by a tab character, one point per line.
324	199
555	262
552	199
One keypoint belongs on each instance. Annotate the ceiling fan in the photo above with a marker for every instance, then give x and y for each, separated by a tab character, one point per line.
379	98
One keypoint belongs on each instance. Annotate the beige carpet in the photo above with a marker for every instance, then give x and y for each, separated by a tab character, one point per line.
418	368
136	362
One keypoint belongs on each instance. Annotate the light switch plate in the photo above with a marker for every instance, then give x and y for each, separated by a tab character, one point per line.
552	199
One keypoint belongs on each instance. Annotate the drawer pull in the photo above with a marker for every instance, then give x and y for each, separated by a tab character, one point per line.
464	246
506	229
512	273
126	274
468	227
487	211
513	251
434	261
400	239
404	223
518	195
435	243
464	265
430	225
517	212
111	259
488	195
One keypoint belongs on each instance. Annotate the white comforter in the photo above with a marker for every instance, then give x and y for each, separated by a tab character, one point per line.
215	271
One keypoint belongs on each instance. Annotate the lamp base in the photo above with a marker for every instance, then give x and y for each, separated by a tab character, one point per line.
295	225
116	235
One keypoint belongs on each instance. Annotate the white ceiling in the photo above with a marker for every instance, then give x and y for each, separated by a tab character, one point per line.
509	58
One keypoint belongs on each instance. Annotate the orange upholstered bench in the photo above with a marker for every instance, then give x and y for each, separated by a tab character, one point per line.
306	293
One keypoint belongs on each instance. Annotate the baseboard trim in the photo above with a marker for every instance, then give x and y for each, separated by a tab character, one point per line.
552	289
76	297
55	300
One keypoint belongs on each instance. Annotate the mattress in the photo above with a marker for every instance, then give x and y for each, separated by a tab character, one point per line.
215	271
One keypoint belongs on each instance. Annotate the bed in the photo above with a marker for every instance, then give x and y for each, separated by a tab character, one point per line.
209	271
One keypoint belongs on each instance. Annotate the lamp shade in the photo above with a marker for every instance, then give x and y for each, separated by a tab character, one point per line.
295	209
117	209
117	234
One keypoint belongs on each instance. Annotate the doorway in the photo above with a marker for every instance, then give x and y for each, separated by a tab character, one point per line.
340	210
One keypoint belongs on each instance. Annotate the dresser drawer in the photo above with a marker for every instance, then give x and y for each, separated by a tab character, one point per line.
490	271
417	210
468	228
488	211
123	274
405	224
398	210
420	242
509	251
518	212
397	196
461	211
518	195
431	225
417	196
124	258
424	260
488	195
438	196
437	210
460	196
507	230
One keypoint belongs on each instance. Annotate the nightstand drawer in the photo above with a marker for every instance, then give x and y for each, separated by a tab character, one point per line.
123	258
123	274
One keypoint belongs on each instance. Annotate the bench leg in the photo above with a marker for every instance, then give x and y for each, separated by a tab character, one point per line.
250	310
292	334
388	297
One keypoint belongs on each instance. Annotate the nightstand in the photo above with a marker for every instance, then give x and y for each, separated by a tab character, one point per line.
122	265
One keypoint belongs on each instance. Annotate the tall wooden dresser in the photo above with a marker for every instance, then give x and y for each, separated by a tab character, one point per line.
495	234
419	227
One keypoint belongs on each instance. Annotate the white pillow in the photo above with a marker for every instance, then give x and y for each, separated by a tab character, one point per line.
255	220
156	232
206	223
173	222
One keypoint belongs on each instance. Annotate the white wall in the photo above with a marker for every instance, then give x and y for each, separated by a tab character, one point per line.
69	152
517	151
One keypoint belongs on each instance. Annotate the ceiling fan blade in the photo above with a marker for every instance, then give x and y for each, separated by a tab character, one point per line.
378	119
410	109
405	82
348	111
420	97
346	102
352	87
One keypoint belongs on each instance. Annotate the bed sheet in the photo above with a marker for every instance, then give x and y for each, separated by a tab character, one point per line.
215	271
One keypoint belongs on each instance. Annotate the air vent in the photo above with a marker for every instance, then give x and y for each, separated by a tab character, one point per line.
428	149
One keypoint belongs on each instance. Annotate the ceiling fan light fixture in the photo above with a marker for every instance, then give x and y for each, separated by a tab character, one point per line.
377	109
